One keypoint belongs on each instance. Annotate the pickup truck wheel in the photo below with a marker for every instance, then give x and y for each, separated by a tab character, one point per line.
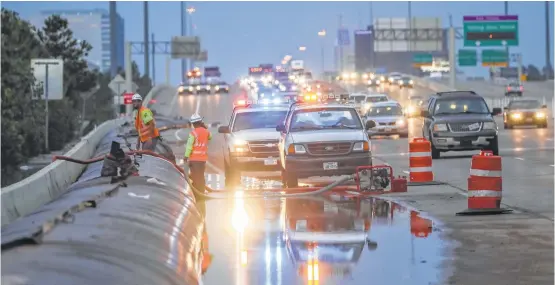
494	146
291	180
232	175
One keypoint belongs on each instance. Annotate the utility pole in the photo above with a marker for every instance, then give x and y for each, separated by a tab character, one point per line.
183	33
147	63
45	85
410	25
547	42
507	47
153	59
452	58
113	39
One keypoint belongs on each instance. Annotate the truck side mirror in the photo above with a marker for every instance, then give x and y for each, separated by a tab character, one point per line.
496	111
280	128
223	130
370	124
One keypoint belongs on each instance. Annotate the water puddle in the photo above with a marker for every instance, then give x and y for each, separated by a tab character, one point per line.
320	240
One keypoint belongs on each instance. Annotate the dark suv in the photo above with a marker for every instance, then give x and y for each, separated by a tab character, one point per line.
460	121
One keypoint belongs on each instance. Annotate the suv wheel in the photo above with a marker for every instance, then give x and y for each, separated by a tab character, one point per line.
494	146
232	175
436	154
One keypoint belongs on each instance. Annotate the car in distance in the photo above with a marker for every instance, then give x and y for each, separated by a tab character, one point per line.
514	89
414	107
405	81
527	112
322	139
251	140
394	77
460	121
386	119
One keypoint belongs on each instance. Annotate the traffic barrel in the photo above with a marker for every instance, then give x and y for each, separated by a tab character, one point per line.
485	185
419	226
420	161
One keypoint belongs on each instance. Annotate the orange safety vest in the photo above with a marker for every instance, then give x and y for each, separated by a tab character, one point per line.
200	147
207	257
144	130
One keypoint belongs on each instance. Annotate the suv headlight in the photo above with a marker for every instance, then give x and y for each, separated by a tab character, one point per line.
361	146
440	127
296	149
490	126
238	145
400	123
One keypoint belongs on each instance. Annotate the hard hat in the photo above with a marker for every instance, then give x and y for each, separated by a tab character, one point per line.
195	118
136	97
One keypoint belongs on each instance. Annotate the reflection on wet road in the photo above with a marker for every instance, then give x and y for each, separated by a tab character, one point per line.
331	240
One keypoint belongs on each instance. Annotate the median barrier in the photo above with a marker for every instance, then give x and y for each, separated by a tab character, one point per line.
146	223
25	196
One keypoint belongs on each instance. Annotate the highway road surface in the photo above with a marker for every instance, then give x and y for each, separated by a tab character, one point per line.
257	256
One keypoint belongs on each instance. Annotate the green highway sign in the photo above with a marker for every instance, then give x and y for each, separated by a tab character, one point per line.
493	57
422	59
490	30
468	57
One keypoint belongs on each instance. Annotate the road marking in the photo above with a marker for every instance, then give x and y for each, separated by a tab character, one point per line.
553	165
519	158
406	172
176	134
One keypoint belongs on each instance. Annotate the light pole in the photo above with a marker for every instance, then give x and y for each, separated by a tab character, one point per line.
190	11
322	34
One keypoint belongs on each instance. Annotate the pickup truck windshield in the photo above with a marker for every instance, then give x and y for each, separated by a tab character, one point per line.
358	99
325	118
375	99
384	111
528	104
461	106
258	120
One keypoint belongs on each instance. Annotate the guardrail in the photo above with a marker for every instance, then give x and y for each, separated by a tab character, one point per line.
26	196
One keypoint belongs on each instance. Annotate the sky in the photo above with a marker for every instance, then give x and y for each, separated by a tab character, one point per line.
242	34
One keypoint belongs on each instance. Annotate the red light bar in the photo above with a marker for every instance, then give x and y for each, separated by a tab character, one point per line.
242	103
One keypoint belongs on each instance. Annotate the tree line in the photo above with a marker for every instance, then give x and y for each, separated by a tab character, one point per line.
23	115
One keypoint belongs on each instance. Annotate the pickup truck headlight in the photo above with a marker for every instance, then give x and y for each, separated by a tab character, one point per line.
296	149
490	126
440	128
239	146
361	146
411	82
540	115
400	123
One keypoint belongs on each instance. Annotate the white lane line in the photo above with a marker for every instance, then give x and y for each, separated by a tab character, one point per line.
406	172
198	107
519	158
176	134
553	165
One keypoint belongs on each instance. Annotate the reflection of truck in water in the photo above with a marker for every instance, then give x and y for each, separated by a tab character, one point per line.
325	240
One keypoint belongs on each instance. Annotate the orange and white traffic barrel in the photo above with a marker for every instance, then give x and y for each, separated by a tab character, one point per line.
420	161
485	185
420	227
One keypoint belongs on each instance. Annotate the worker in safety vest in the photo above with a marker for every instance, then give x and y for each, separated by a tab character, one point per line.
145	125
196	151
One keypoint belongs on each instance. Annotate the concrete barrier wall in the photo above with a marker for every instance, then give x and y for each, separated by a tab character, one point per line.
26	196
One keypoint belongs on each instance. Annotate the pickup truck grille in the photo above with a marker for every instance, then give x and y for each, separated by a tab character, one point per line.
464	127
267	146
329	148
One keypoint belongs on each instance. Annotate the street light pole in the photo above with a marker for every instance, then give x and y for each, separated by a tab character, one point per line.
322	34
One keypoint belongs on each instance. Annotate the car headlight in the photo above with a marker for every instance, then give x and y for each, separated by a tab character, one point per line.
198	87
239	142
489	126
190	88
239	146
294	88
208	87
296	149
440	128
365	76
361	146
217	87
516	116
181	89
400	123
411	82
410	109
540	115
261	94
